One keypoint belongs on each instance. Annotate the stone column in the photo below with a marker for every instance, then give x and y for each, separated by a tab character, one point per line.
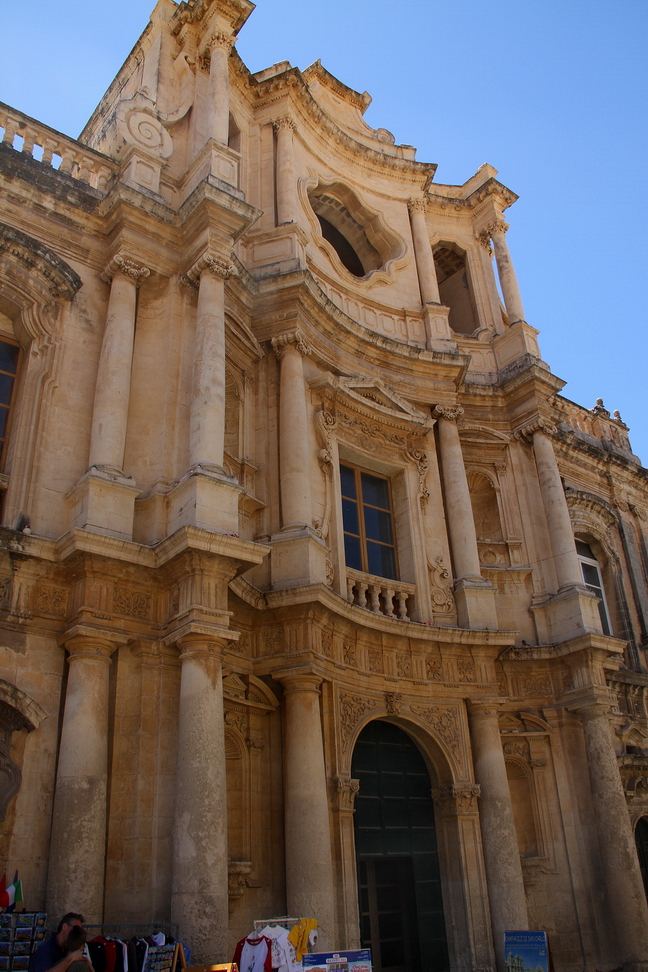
625	895
199	901
501	854
309	862
112	392
284	128
207	415
423	253
506	273
78	843
294	433
218	49
561	534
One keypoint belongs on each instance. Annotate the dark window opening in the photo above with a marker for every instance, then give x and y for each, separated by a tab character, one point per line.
9	354
368	523
641	840
593	582
342	247
454	289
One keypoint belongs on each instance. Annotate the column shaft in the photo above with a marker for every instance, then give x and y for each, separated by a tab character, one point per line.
199	900
285	172
506	273
626	898
207	417
461	524
294	438
219	95
309	863
423	253
501	854
78	842
561	535
112	392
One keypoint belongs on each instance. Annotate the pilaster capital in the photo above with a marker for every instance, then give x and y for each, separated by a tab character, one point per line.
292	339
284	124
304	682
448	412
484	240
498	226
121	265
416	206
88	646
346	789
456	797
208	263
489	707
526	433
218	41
200	646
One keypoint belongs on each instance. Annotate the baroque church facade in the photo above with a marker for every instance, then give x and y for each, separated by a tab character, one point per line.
317	597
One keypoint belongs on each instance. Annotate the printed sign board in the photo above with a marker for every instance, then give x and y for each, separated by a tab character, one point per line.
354	961
526	951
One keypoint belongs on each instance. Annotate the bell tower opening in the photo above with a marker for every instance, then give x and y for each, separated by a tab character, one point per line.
399	884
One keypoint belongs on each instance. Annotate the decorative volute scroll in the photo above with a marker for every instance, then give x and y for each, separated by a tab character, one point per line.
17	711
325	425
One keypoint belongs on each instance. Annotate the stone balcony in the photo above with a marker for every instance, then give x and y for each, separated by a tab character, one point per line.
392	598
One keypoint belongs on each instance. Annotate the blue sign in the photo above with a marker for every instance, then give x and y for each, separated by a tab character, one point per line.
526	951
358	960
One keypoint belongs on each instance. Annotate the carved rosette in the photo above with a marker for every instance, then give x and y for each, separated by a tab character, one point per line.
448	412
457	797
290	340
119	264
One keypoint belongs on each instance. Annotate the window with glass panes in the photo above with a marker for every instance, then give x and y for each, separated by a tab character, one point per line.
368	522
9	354
592	580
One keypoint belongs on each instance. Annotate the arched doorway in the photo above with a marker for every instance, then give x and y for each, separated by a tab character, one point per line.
641	840
401	908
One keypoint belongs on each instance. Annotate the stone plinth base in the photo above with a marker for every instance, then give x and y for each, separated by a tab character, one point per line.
438	335
103	502
298	558
207	500
515	342
570	613
475	600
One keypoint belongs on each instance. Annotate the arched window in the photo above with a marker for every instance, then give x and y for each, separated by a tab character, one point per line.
592	579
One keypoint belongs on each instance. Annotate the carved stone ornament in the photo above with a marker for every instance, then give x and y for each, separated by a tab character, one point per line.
292	339
134	603
374	656
347	789
517	747
483	239
50	600
352	709
465	671
393	702
218	40
538	685
422	463
284	124
10	775
330	572
445	723
417	206
526	433
143	129
349	654
449	412
237	878
443	601
458	797
404	666
210	264
120	264
498	226
237	720
433	669
53	275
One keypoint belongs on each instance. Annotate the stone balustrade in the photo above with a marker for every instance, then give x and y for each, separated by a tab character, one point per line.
595	422
380	595
51	148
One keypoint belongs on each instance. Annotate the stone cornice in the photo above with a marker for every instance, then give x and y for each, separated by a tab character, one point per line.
194	12
58	278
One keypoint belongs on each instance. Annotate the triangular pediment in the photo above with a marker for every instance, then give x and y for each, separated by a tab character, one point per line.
376	392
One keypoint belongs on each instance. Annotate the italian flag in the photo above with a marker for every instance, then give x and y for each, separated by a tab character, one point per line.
12	895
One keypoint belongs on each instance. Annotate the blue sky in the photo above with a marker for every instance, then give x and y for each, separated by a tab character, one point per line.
550	92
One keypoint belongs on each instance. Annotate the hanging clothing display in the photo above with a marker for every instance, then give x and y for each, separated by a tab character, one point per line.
301	934
254	954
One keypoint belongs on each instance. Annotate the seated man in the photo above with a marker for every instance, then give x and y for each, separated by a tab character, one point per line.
51	955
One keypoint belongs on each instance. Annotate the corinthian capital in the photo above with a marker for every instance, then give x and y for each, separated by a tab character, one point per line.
284	124
210	264
449	412
458	797
217	41
291	339
416	206
497	226
120	264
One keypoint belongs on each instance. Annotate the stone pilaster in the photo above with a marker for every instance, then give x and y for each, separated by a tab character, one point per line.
501	855
207	497
625	895
199	899
309	863
218	48
475	597
284	128
78	841
294	433
506	272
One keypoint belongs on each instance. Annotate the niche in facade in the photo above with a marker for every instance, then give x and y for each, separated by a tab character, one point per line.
483	497
358	237
454	287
